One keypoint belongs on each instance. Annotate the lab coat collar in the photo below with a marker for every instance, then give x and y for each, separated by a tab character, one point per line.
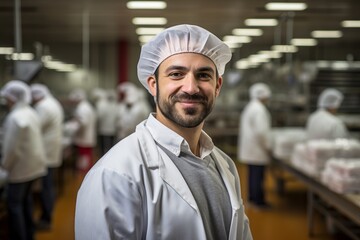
174	142
156	158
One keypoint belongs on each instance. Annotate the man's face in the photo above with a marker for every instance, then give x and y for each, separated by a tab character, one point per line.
186	89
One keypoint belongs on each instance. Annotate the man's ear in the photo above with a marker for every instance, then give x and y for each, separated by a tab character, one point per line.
151	81
218	86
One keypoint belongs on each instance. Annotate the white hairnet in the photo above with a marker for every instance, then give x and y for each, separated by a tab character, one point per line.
17	91
131	92
330	98
77	95
39	91
260	91
181	39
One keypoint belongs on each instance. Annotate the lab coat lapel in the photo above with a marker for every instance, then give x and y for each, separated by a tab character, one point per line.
228	178
157	158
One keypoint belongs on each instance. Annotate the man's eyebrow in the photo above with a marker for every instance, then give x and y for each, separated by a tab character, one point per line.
176	67
206	69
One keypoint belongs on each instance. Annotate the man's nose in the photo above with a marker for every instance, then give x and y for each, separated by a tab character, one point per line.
190	85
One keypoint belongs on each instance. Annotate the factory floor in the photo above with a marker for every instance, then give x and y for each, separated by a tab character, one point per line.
285	220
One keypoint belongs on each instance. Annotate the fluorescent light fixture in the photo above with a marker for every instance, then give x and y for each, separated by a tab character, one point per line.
261	22
247	32
149	31
286	6
6	50
146	5
233	45
271	54
149	21
303	42
21	56
145	38
237	39
242	64
351	23
259	58
326	34
285	48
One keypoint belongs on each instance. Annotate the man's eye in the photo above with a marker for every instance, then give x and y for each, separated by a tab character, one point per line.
175	74
204	76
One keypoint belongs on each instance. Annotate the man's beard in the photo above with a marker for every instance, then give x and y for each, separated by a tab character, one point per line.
192	116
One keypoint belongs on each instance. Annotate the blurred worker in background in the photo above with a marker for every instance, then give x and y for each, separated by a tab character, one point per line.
253	147
134	109
51	116
323	123
107	118
168	180
83	123
23	157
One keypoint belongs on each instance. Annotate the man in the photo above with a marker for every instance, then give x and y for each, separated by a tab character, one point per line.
323	123
167	180
255	124
84	121
23	157
135	109
51	116
106	118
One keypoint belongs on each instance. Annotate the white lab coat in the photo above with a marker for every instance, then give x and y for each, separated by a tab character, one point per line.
51	116
107	116
254	134
129	118
85	135
23	155
323	125
136	192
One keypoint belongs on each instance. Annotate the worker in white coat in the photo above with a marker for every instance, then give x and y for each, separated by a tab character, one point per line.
84	125
167	180
51	116
253	147
106	109
134	109
23	157
323	123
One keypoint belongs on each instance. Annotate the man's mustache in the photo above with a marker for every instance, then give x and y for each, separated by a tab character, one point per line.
194	97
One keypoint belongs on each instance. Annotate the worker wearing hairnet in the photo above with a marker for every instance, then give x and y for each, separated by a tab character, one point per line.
106	118
23	157
168	180
255	125
83	123
135	109
51	116
323	123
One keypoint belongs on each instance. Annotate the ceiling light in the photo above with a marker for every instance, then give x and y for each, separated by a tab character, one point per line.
326	34
351	23
285	6
247	32
145	38
271	54
146	5
232	44
242	64
285	48
303	42
149	31
237	39
264	22
6	50
22	56
149	21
